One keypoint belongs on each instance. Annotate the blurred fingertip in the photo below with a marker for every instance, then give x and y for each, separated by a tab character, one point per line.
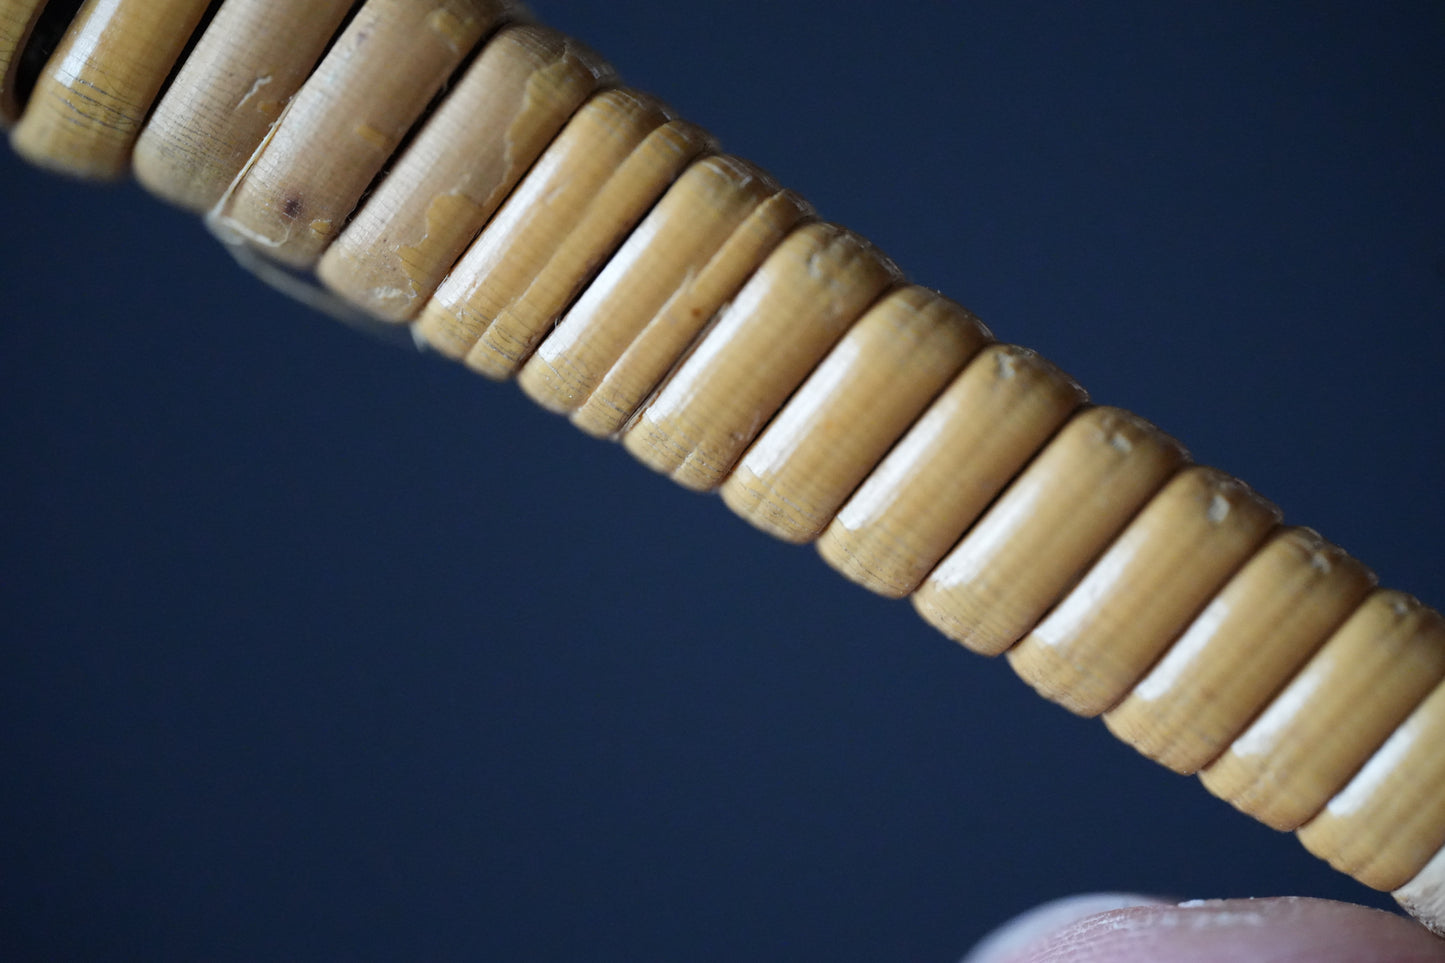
1122	928
1018	934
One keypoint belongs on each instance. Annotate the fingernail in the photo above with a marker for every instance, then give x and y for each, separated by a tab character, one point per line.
1018	934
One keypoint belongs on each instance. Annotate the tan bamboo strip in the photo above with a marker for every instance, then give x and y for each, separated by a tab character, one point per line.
1424	896
346	122
1047	528
1388	823
1146	589
605	170
950	465
95	92
851	410
251	60
1241	650
784	320
17	20
688	258
493	125
1332	717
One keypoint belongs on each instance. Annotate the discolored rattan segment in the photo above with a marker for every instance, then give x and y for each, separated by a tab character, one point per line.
1137	599
691	254
17	20
493	125
347	121
851	410
251	60
1388	823
1046	528
1335	713
93	95
1242	649
605	170
956	458
774	333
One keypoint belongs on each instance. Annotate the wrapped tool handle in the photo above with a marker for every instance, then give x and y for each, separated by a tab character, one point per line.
454	167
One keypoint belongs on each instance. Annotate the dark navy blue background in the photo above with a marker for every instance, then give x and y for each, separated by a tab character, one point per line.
315	649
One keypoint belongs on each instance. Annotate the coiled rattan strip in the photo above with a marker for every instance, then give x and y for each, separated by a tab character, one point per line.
1077	523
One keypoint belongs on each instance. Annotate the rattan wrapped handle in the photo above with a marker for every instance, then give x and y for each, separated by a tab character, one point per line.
450	166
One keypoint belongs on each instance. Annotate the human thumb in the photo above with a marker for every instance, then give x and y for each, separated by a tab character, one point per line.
1120	928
